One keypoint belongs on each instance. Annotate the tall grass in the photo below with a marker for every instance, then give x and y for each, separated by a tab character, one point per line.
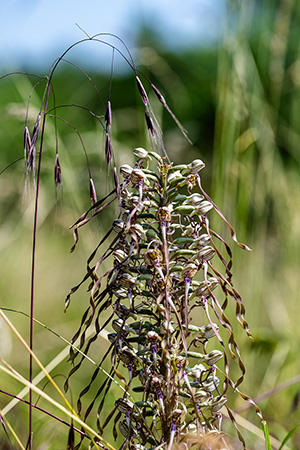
256	179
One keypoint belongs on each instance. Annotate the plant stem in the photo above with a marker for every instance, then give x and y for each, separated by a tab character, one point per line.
33	265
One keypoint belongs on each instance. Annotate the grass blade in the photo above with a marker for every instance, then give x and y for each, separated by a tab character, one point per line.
288	436
68	412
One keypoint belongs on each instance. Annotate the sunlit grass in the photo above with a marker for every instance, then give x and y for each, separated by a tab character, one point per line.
256	179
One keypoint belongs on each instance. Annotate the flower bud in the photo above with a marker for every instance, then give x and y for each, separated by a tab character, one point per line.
205	287
137	175
192	230
167	326
125	194
213	357
156	156
112	337
201	395
119	325
141	153
207	331
203	239
124	405
196	371
174	176
218	402
120	255
127	280
207	252
126	170
118	225
120	293
195	166
192	428
195	199
138	447
153	336
133	200
204	207
138	229
190	270
211	383
128	355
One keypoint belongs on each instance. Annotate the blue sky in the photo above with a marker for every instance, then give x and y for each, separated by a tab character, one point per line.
35	32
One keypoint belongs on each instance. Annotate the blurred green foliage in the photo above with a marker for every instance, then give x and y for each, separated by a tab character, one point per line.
240	104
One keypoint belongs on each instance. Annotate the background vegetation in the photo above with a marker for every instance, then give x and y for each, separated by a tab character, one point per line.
240	103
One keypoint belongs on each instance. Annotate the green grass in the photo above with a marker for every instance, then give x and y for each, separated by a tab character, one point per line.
256	178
